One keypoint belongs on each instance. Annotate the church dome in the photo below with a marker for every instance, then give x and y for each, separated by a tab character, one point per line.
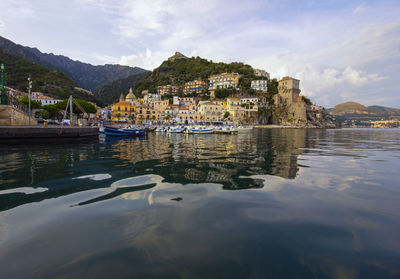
130	95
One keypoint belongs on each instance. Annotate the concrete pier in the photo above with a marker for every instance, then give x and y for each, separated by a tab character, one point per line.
26	132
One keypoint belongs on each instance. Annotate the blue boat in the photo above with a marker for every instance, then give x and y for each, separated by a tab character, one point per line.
118	132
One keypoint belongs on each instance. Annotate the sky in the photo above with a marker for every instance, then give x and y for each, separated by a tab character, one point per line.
340	50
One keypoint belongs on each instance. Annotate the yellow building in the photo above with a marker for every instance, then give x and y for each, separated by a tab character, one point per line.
122	111
187	115
195	86
145	113
212	111
168	90
225	80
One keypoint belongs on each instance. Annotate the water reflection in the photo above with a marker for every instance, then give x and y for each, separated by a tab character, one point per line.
184	159
215	158
234	161
323	203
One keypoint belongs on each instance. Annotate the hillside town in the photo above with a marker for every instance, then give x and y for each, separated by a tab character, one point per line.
168	104
188	103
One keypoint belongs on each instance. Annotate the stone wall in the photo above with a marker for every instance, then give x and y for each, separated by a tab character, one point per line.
11	116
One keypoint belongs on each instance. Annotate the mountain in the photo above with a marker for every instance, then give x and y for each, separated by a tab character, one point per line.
85	75
110	93
356	111
48	81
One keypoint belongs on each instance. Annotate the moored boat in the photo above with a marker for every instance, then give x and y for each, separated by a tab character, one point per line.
244	129
115	131
225	130
199	130
175	129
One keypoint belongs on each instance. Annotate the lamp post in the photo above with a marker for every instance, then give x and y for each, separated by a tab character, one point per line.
29	97
3	90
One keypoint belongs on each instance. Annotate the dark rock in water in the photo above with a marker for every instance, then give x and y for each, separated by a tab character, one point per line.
177	199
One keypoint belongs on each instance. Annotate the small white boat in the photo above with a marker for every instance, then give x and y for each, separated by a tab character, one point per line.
244	129
160	129
225	130
175	129
199	130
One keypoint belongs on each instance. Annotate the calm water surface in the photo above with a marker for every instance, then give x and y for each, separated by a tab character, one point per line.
273	203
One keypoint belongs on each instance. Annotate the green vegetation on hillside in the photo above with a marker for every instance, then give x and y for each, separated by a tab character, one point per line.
47	81
110	93
184	70
34	104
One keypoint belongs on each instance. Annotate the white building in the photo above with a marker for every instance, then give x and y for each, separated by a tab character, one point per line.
148	98
259	85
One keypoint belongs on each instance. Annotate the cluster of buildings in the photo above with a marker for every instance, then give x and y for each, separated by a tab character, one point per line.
225	80
289	105
155	108
152	108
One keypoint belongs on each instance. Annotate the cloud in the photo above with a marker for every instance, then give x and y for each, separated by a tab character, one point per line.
359	9
347	50
147	60
2	26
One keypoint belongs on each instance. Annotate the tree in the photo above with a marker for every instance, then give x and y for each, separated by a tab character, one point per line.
52	110
306	100
222	93
273	86
44	114
34	104
227	114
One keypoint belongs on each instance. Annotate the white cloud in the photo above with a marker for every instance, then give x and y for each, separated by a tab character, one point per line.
146	60
2	26
359	9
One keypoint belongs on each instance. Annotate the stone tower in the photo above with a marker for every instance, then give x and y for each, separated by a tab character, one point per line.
291	108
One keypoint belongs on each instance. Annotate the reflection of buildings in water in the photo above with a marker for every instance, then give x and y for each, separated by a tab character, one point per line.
217	158
286	145
136	150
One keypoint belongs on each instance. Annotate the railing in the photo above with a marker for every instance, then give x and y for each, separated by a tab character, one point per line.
16	103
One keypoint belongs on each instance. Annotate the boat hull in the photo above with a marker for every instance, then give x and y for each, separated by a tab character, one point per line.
122	132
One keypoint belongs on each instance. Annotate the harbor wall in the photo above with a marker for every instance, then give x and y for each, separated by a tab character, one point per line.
17	132
11	116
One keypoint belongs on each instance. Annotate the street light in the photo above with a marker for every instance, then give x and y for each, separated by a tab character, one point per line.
29	96
3	91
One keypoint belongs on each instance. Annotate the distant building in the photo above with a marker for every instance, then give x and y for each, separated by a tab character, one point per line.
225	80
150	97
43	99
261	73
184	101
195	86
164	90
169	90
46	101
259	85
